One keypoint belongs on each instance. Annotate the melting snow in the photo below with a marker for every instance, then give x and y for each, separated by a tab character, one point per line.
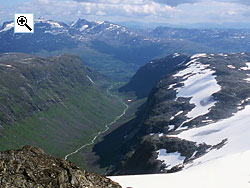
170	159
235	129
199	85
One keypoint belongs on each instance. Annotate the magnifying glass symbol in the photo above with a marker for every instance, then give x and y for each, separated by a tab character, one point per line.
22	21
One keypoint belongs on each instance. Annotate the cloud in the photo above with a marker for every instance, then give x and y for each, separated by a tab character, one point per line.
176	2
168	11
98	9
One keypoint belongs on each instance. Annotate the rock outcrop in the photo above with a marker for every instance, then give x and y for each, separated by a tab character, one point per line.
30	167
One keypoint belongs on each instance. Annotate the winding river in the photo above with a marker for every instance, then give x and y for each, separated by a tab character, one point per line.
107	125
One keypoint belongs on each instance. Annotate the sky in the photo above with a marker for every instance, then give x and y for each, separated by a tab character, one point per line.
162	11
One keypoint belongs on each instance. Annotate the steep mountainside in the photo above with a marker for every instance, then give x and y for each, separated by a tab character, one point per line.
151	73
55	103
195	114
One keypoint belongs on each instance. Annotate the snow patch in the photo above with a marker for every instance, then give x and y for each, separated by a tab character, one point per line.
4	65
224	55
8	27
170	159
176	55
247	67
161	135
55	24
247	79
171	127
83	27
231	66
99	22
90	80
199	55
172	85
199	85
179	113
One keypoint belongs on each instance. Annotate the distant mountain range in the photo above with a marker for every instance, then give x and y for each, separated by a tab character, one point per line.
115	50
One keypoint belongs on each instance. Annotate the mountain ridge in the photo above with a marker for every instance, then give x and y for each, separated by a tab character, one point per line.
204	91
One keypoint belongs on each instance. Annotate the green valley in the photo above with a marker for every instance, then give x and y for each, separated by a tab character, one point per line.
53	103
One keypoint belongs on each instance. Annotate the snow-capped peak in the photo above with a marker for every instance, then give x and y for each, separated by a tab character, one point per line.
52	23
7	26
79	23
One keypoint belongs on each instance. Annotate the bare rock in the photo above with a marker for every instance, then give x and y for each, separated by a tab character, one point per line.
30	167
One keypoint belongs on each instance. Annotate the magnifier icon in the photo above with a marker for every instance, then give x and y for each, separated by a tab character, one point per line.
22	21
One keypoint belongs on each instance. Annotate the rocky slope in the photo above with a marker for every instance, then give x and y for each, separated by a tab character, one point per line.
191	116
30	167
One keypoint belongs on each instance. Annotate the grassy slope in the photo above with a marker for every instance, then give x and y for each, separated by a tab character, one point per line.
63	127
50	103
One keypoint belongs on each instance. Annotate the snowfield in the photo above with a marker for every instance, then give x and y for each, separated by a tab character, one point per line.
235	129
232	171
227	167
224	166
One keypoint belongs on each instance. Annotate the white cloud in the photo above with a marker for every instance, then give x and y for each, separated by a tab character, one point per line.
180	11
73	9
